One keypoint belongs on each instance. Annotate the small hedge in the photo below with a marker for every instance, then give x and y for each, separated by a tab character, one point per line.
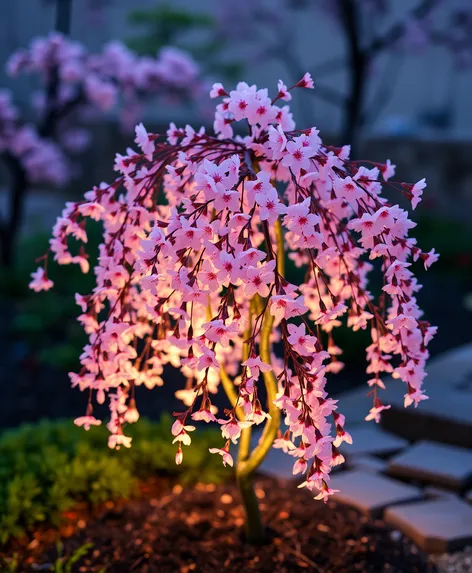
47	467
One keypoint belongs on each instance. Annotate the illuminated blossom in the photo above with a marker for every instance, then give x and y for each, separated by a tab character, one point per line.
197	228
40	280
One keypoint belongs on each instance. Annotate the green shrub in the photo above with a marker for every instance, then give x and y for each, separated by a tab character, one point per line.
47	467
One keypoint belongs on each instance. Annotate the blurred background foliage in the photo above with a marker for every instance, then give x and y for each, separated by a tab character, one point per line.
165	25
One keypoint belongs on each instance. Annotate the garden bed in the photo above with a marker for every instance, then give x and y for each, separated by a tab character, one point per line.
174	529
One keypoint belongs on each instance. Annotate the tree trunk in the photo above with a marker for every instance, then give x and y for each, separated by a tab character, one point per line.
10	227
357	76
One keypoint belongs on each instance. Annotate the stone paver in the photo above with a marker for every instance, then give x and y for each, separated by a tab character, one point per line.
436	464
278	465
447	415
371	493
436	526
371	439
432	492
368	464
457	562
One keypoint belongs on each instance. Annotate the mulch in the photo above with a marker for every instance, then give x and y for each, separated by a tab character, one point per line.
170	529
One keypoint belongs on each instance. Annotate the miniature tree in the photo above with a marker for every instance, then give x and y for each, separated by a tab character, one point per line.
77	89
196	232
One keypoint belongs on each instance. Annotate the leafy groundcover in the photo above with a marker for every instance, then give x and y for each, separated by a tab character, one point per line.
46	468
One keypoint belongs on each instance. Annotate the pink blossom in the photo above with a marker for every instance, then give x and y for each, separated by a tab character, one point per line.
374	413
414	397
298	155
92	210
258	279
429	258
40	280
260	185
300	466
142	139
283	306
218	91
301	342
217	331
388	170
306	82
87	421
179	456
117	440
277	141
207	360
342	436
227	458
417	192
231	429
326	492
269	205
283	91
204	415
348	189
300	220
256	366
283	444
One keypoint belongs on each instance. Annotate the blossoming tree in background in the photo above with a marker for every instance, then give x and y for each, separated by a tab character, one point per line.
77	88
376	35
197	229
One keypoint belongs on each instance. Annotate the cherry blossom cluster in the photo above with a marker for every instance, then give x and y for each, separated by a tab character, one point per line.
77	87
196	232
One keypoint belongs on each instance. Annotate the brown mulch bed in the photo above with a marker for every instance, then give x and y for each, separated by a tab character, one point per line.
171	529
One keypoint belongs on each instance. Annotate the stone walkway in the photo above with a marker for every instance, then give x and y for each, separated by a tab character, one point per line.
415	471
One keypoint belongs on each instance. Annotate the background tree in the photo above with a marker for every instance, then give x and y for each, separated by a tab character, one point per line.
77	89
260	31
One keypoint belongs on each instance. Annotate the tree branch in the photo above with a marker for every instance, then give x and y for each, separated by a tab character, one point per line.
247	468
357	67
388	39
63	16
